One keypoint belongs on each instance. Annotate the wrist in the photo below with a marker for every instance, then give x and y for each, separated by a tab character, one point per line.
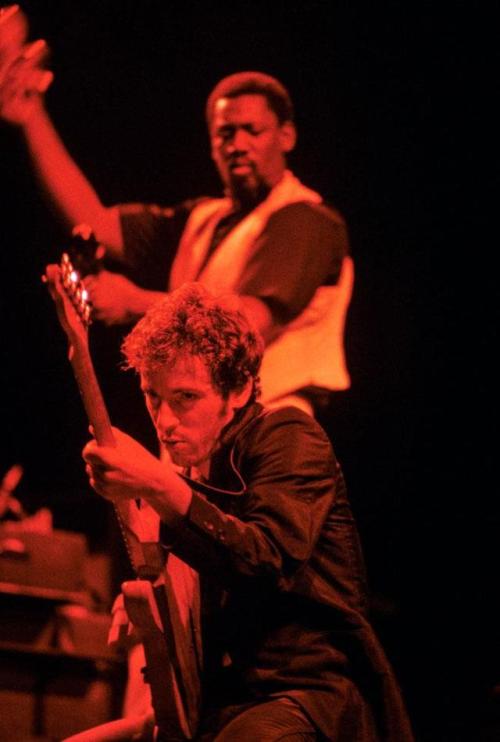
170	497
35	117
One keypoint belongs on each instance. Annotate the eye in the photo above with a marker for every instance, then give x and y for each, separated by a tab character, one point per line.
184	400
254	130
188	396
225	133
150	397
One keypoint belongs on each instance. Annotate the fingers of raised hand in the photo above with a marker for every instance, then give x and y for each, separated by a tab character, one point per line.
23	72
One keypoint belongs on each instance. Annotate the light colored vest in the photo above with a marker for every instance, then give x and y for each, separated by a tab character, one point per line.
310	350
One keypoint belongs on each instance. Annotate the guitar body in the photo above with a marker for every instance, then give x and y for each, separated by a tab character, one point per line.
142	600
150	601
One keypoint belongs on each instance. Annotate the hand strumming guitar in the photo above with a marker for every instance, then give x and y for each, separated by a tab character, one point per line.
116	300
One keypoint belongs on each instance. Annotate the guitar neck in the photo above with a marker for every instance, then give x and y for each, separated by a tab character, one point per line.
139	532
139	526
93	400
172	715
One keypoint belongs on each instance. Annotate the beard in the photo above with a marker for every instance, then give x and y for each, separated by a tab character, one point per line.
249	189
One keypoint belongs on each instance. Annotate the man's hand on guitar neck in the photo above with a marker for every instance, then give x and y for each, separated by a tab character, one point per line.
129	471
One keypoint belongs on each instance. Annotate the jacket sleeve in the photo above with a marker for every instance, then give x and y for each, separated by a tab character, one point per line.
271	530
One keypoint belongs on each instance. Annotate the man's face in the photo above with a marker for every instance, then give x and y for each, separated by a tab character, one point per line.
249	144
186	409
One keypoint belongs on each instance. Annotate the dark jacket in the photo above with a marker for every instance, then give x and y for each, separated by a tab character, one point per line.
283	582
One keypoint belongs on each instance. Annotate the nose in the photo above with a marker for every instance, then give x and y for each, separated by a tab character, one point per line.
239	141
165	420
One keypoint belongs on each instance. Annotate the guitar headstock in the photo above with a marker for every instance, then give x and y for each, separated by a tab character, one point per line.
71	300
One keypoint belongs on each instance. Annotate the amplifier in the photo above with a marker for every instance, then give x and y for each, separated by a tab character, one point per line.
46	565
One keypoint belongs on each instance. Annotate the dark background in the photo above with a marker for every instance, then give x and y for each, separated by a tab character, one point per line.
377	94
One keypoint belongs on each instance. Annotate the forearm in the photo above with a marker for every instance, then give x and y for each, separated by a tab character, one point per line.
210	541
141	300
65	184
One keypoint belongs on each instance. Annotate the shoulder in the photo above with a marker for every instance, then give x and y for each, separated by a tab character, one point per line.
290	419
309	224
309	213
292	436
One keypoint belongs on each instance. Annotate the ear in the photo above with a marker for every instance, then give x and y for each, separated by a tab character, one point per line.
288	136
237	400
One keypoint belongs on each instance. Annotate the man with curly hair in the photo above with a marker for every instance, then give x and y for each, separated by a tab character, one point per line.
254	503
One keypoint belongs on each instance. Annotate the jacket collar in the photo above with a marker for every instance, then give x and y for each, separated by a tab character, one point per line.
237	425
225	478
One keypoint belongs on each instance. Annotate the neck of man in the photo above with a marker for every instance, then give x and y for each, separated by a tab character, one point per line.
247	198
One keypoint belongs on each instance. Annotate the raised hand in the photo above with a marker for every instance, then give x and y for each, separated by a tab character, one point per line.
13	35
23	84
23	79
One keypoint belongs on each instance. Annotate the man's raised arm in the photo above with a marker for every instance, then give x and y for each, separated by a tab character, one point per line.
22	90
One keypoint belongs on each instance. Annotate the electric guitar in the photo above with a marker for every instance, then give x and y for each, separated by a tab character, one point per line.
149	600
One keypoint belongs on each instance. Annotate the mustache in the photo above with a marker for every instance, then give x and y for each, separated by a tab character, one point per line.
238	160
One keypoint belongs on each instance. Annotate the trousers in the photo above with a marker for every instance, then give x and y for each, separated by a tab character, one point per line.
276	720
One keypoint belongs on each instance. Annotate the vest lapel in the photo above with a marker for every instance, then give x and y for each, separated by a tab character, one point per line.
225	267
196	240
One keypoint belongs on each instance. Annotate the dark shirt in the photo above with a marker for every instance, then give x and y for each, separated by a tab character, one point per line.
282	575
301	248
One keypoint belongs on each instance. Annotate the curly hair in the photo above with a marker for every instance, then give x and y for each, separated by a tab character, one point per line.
191	320
258	83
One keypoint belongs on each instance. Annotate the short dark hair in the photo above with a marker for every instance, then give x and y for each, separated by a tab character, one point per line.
194	321
258	83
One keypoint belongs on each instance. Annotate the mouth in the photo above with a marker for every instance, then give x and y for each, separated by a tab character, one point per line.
239	167
172	442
